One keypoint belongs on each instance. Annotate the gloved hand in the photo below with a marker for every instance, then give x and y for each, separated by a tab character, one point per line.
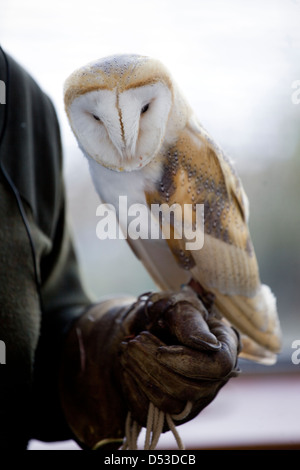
164	348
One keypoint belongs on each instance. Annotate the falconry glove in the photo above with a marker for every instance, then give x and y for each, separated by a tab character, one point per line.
163	348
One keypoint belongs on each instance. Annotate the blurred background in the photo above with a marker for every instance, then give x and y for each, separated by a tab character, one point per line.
236	62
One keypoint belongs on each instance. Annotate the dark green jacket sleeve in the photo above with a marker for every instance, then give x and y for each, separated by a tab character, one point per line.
31	167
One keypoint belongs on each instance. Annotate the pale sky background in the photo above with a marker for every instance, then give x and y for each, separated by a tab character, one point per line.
234	60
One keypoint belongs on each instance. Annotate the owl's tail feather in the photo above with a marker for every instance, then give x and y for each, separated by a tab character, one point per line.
255	317
252	351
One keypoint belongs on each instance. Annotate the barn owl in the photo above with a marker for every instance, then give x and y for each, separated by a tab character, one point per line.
143	141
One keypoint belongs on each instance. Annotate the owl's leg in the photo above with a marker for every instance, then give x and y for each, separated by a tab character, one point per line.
206	297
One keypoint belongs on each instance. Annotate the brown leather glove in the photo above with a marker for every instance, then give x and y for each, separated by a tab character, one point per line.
164	348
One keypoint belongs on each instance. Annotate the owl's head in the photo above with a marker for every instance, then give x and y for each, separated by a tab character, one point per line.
121	108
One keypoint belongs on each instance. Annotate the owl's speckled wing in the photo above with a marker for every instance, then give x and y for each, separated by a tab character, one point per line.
195	171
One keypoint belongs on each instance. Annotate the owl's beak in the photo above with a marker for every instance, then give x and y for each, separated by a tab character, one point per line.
125	145
119	145
128	155
131	146
125	153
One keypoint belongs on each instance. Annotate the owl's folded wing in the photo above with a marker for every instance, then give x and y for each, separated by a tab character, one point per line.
226	265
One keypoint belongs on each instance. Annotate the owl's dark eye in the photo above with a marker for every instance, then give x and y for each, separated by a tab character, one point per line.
145	108
96	117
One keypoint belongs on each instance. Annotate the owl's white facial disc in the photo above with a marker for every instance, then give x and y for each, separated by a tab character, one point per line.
124	130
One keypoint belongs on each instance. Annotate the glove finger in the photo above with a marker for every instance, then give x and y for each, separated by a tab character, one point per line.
205	364
225	334
160	378
190	328
149	390
198	366
139	359
143	375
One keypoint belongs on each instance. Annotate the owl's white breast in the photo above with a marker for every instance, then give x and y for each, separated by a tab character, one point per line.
111	184
154	253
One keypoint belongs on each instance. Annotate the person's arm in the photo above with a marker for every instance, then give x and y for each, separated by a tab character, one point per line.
51	297
40	293
63	301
